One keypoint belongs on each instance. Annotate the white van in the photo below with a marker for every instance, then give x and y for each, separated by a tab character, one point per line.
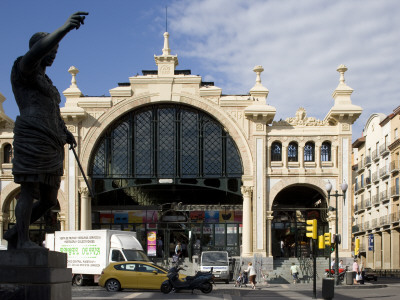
219	261
90	251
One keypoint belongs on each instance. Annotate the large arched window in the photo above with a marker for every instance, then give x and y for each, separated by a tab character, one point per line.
293	152
276	151
166	141
326	151
7	154
309	152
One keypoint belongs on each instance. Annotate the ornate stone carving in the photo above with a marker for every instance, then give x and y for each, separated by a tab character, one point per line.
301	119
71	128
84	191
247	190
259	127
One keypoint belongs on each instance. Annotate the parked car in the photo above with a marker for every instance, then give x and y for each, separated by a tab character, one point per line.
133	275
370	275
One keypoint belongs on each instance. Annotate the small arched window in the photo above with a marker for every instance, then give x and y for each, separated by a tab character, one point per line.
326	151
276	151
7	154
309	152
293	152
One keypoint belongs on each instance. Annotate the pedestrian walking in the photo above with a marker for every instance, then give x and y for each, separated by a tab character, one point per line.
295	272
356	271
252	275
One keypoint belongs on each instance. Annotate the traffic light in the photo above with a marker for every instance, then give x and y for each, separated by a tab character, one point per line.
312	229
321	244
357	247
332	247
327	239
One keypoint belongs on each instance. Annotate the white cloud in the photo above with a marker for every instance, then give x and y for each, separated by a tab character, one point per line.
300	44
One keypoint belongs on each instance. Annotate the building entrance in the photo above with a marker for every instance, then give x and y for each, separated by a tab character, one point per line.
292	207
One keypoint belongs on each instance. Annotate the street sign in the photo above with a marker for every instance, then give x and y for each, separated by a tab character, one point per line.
371	242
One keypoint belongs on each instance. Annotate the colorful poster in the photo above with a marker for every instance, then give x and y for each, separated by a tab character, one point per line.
212	216
120	217
197	216
106	218
238	216
136	216
151	243
226	216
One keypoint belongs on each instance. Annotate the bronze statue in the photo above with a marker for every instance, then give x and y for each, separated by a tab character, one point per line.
39	133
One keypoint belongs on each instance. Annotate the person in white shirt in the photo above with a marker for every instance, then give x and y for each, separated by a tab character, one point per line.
295	273
252	275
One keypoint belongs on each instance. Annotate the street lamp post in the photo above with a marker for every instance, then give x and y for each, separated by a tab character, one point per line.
344	187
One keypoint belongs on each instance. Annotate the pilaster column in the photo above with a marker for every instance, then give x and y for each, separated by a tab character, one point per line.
61	218
85	209
247	243
318	155
1	226
395	246
284	156
386	250
269	233
334	149
377	251
300	153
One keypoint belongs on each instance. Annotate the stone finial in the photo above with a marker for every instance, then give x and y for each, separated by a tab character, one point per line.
73	71
166	50
341	69
258	91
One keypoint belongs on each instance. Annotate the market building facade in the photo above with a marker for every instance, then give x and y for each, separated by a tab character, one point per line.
167	152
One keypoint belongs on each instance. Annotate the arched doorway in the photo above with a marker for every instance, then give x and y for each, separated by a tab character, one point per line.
292	207
167	158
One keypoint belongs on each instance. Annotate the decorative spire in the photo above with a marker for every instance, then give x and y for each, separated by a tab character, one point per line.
73	71
166	51
258	90
341	69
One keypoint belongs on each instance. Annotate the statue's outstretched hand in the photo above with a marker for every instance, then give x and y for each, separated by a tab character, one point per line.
76	20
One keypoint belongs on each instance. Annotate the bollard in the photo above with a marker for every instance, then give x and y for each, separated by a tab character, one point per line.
328	288
350	275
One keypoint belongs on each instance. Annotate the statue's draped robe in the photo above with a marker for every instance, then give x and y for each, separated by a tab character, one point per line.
39	132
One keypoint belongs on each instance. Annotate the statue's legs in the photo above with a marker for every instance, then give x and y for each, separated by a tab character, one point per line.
27	212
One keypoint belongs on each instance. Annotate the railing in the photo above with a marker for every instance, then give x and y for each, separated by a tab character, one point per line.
375	155
383	172
375	199
366	225
375	177
394	166
384	220
360	166
367	181
367	161
395	191
368	203
374	223
383	149
395	217
384	196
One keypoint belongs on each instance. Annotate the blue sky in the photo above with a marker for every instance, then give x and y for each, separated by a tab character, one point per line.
299	44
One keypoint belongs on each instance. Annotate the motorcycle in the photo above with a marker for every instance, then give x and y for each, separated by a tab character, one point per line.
202	281
342	273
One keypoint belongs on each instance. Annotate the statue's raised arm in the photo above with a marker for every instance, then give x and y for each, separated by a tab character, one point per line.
42	44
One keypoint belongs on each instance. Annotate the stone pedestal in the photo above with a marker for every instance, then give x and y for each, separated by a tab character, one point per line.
34	274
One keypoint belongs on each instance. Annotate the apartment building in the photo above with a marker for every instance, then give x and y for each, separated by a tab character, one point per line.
376	191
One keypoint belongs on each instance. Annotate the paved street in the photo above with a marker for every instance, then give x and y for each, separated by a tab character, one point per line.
383	289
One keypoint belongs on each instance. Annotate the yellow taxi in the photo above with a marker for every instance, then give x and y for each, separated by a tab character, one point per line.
133	275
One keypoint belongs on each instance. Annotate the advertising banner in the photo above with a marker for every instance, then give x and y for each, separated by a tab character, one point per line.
151	243
371	242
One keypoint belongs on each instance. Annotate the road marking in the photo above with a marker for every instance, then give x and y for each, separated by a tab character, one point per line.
285	286
133	295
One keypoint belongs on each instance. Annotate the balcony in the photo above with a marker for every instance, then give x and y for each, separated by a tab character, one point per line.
367	161
375	155
360	167
384	196
375	199
384	172
395	217
375	177
384	150
368	182
394	166
374	223
368	203
358	228
366	225
384	220
394	191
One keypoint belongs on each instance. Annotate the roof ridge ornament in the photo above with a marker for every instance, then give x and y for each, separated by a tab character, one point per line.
342	69
166	50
